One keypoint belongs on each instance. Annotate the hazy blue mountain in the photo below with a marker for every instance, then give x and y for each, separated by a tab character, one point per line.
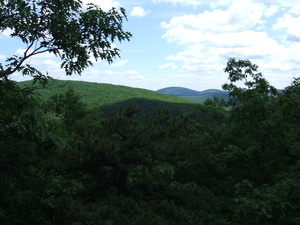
178	91
198	96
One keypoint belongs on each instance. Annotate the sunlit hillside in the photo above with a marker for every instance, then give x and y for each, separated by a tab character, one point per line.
109	98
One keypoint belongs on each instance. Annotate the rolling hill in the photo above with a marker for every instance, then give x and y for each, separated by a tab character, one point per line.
109	98
189	94
178	91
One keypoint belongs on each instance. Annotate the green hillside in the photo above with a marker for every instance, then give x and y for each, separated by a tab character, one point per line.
109	98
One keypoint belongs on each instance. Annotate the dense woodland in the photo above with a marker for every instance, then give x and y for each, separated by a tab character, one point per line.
62	162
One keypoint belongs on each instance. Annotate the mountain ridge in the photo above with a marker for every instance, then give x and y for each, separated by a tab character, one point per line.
190	94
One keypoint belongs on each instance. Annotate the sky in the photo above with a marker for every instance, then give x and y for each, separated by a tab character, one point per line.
187	43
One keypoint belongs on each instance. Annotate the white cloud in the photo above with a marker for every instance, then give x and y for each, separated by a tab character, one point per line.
222	28
291	23
295	9
49	62
120	63
127	77
130	72
182	2
195	3
272	10
283	3
2	57
109	73
293	37
237	17
6	33
211	37
93	74
168	65
138	12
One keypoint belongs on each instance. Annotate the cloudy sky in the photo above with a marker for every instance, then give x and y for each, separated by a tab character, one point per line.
188	42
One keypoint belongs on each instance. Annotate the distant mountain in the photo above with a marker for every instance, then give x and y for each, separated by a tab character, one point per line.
214	91
198	96
178	91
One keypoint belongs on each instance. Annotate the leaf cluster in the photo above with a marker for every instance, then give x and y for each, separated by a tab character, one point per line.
64	28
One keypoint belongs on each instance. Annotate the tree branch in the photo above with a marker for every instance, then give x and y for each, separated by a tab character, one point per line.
27	56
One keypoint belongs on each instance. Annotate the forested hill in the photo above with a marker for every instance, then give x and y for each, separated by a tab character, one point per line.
189	94
109	98
62	163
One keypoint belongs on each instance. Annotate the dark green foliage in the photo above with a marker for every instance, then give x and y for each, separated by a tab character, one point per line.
149	106
261	169
62	163
204	96
28	144
69	108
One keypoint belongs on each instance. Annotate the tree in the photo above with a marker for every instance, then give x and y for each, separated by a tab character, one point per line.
252	108
37	155
286	122
255	86
40	161
259	156
28	144
64	28
130	171
69	108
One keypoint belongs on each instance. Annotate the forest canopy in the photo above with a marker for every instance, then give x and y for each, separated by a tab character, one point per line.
62	163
